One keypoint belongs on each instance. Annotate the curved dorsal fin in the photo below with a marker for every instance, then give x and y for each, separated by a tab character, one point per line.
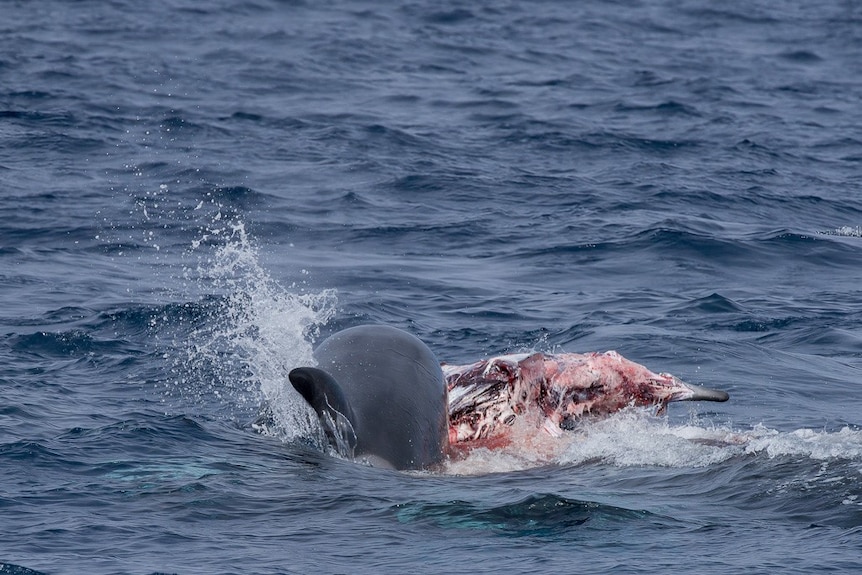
325	396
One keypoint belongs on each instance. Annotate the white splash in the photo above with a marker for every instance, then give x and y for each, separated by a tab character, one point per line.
257	331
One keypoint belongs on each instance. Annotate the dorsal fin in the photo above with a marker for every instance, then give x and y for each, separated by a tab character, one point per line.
325	396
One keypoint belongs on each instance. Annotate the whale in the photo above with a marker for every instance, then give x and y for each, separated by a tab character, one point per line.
380	396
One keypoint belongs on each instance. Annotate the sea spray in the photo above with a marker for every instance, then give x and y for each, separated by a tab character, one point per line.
248	331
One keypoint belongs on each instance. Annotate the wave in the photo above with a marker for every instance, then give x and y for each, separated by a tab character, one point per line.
536	515
12	569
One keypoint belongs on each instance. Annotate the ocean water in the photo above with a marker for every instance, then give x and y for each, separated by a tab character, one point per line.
193	194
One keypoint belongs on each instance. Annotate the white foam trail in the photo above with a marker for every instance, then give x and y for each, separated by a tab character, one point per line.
635	438
846	231
845	443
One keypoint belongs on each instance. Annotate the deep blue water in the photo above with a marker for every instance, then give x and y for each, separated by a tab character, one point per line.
193	194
